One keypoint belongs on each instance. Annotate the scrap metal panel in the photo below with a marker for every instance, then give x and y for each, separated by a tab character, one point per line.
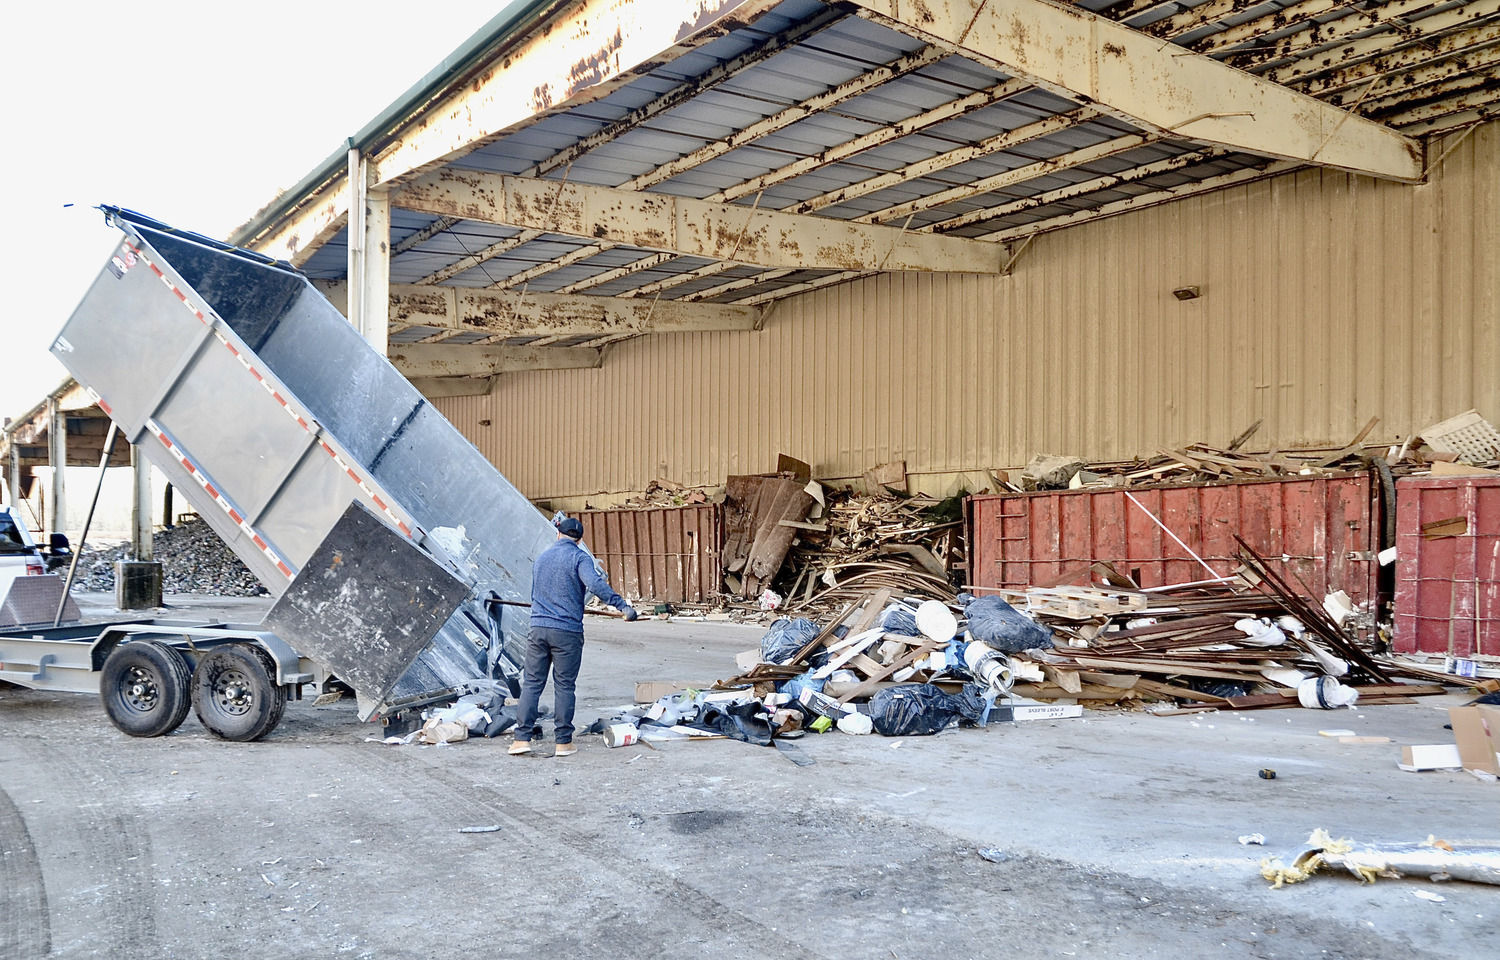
1448	565
670	555
1321	534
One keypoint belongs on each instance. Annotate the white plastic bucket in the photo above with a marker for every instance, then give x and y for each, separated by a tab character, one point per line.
620	735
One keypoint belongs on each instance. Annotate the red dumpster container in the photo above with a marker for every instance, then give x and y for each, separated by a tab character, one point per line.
667	554
1448	565
1318	531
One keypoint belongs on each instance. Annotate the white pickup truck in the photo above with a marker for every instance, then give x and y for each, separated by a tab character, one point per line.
19	554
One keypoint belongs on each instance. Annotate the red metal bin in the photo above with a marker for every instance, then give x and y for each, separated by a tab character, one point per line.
1321	531
1448	565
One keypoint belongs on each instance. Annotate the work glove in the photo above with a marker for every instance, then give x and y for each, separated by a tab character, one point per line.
630	613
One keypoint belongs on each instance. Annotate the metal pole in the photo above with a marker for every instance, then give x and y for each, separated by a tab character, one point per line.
109	448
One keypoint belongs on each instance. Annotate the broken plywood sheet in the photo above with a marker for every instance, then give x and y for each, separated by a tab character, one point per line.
756	542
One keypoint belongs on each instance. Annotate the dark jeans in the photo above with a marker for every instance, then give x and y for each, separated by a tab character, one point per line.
562	653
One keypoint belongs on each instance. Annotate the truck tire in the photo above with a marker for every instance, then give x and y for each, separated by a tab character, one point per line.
235	693
145	687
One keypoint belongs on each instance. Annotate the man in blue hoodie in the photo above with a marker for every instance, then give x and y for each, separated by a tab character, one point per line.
563	574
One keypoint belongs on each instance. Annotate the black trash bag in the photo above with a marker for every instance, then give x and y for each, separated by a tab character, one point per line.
738	721
1220	688
786	637
899	620
994	622
922	709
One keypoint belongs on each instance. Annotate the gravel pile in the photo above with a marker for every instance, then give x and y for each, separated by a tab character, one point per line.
194	560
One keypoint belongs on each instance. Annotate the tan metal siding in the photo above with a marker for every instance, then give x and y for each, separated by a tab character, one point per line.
1327	299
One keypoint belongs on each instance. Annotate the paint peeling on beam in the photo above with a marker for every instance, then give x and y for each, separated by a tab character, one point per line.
1158	86
467	360
584	53
699	228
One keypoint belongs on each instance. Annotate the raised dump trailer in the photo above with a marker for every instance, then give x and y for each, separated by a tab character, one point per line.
398	554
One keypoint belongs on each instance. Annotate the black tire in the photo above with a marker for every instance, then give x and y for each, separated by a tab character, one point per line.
235	693
145	687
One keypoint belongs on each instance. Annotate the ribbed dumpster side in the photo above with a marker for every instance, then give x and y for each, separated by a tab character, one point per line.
1448	565
1322	533
670	554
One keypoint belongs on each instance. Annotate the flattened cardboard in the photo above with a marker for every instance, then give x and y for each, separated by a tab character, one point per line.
1476	731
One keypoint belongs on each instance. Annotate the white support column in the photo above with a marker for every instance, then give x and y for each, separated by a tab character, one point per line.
140	505
369	254
13	477
375	298
57	457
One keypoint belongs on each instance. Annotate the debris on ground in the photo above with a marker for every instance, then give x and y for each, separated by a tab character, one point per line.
193	557
1433	859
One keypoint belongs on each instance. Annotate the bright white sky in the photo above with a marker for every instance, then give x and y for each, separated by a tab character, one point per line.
192	112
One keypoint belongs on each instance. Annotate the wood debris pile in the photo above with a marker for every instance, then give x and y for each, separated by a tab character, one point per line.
861	543
666	493
1444	448
1245	642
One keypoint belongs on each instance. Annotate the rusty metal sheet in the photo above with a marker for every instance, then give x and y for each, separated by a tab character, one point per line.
1448	565
670	555
1321	533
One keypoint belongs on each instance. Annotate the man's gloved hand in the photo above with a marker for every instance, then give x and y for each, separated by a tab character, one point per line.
630	613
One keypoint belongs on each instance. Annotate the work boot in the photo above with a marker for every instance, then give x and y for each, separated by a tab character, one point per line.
520	748
565	750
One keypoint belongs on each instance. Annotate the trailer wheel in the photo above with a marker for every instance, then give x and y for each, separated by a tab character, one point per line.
145	688
235	692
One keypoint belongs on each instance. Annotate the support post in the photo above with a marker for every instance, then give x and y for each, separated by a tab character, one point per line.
167	508
140	505
369	264
138	581
13	477
57	458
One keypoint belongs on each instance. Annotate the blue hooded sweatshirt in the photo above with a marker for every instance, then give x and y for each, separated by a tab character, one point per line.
562	575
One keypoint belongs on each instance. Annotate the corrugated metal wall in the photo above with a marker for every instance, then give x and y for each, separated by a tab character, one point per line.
1326	299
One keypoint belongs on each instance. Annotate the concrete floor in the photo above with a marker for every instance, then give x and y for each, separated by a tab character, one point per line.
1120	831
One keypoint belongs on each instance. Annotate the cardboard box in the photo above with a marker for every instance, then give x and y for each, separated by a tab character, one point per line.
1476	731
1430	756
650	691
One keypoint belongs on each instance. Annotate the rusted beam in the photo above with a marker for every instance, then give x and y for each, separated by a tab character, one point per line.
420	237
876	138
1451	53
951	158
782	119
1000	181
1160	87
1251	30
416	360
436	388
1238	177
699	228
1107	182
474	259
1478	91
1380	44
583	52
1318	35
687	90
510	314
599	279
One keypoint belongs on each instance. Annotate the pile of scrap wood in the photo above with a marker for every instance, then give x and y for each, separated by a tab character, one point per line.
1245	642
1435	451
666	493
860	543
